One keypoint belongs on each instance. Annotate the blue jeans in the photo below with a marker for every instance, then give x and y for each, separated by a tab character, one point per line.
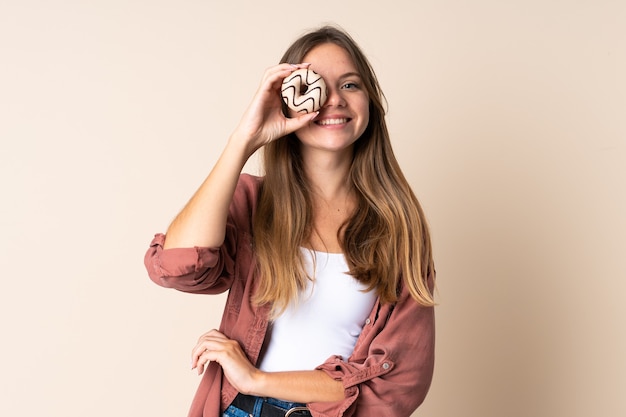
261	407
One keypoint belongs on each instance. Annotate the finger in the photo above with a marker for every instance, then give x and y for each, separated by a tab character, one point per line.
205	355
195	357
206	342
275	75
203	361
211	335
299	122
196	352
199	350
212	332
278	72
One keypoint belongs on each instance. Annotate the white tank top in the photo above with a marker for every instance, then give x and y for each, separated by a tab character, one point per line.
326	321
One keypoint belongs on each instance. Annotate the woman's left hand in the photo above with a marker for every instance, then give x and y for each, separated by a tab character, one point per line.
214	346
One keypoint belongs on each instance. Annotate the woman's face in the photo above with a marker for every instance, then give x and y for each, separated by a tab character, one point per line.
345	114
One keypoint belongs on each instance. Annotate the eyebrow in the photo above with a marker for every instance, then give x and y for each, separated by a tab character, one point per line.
350	74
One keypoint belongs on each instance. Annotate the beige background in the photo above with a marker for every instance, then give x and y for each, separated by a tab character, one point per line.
508	117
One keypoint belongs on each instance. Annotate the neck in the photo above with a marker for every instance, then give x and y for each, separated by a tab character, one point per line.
328	174
332	198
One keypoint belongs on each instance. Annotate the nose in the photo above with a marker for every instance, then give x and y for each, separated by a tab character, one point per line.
334	98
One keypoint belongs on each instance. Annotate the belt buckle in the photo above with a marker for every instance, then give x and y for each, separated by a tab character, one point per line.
295	410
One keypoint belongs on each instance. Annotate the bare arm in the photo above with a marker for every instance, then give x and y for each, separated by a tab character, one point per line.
297	386
202	222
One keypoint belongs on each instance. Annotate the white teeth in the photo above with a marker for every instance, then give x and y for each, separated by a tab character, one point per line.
326	122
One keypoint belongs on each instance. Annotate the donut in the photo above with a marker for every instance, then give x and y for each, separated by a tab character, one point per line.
304	91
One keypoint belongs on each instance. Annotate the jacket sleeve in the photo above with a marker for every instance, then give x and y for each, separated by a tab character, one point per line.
195	270
199	269
391	368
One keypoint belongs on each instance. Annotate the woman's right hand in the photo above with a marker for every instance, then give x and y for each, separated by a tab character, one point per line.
202	222
264	120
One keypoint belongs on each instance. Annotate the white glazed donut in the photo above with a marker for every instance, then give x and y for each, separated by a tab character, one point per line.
304	91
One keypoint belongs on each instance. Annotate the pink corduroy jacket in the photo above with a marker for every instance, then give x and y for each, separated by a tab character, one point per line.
389	371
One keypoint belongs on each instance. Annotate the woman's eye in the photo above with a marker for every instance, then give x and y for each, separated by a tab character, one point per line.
350	86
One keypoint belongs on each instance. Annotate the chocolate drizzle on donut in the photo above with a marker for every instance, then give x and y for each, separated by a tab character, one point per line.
304	91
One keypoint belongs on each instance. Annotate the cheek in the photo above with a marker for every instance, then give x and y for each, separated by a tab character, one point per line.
365	113
364	107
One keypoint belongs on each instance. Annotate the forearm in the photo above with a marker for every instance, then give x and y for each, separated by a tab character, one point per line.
202	222
298	386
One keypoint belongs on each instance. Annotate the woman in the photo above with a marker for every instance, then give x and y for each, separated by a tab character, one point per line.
327	258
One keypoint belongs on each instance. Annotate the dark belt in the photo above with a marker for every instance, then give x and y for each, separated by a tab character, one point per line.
247	402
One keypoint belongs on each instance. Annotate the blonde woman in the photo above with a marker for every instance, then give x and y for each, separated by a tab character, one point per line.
326	257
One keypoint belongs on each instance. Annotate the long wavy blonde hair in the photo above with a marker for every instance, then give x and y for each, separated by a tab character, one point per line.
386	242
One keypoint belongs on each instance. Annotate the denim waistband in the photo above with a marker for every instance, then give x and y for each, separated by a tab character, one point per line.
251	406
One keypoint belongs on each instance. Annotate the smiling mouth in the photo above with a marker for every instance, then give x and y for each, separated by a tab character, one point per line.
329	122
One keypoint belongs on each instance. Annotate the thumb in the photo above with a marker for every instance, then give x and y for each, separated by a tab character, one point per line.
299	122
